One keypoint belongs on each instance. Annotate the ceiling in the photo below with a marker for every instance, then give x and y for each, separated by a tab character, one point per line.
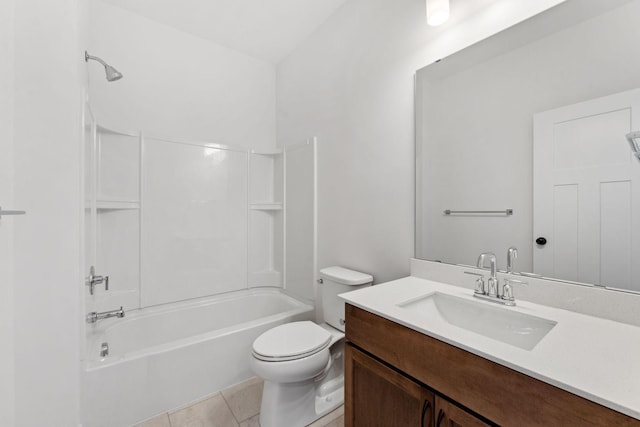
265	29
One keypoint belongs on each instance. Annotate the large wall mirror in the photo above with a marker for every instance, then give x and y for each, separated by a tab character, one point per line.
522	141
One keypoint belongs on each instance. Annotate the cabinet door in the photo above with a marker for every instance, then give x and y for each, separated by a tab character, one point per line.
450	415
376	395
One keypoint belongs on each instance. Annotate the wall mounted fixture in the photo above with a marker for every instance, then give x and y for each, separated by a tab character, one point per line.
11	212
437	12
112	73
507	212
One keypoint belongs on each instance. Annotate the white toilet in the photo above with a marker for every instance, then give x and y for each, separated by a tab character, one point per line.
302	363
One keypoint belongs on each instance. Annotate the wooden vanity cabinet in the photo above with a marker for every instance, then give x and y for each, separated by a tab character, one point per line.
395	376
380	396
450	415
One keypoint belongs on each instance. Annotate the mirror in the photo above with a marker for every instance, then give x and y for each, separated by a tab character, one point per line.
523	138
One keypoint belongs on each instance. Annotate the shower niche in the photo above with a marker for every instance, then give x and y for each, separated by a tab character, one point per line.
266	218
173	220
112	215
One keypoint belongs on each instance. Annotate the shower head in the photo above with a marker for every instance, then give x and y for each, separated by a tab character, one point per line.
112	73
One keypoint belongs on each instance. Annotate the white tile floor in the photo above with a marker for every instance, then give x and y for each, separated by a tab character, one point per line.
237	406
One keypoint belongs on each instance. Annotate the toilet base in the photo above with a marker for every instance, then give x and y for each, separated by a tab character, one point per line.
288	403
299	404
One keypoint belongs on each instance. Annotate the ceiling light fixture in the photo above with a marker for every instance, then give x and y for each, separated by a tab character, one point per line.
437	12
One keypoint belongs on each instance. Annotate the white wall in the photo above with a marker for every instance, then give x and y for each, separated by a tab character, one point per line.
6	201
351	85
300	231
177	85
47	107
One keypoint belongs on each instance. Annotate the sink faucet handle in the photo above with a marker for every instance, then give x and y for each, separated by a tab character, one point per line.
507	291
507	294
479	282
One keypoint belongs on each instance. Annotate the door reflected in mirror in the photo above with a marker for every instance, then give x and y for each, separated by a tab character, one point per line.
535	120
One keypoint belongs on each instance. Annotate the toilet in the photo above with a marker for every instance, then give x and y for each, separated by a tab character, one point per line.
302	363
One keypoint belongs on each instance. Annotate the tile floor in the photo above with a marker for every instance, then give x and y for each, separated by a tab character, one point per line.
237	406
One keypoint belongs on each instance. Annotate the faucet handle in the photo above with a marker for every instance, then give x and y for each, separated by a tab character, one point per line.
479	290
507	291
92	280
507	294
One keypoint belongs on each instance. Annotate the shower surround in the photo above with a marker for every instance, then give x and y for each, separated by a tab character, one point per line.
206	246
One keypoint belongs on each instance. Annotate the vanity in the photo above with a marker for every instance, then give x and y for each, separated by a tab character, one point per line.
522	149
417	355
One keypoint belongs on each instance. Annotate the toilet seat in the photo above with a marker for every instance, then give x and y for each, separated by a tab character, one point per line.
291	341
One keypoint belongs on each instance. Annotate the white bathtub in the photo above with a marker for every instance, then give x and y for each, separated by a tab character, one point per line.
163	357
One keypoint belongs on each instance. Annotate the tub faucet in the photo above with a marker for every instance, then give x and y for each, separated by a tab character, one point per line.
512	253
492	282
92	280
94	316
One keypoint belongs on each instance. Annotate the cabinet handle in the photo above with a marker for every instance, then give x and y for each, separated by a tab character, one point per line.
440	418
425	409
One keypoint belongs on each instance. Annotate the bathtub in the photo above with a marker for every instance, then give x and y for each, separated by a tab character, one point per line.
163	357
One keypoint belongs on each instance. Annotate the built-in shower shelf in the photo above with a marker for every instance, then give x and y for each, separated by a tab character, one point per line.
110	205
274	152
266	206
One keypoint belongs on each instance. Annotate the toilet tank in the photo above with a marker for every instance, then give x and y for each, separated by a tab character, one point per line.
335	281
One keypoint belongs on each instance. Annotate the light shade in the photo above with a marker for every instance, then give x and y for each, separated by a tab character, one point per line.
437	12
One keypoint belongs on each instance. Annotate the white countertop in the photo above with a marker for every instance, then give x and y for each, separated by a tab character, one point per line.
595	358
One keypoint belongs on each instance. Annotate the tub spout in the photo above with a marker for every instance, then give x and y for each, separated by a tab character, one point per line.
94	316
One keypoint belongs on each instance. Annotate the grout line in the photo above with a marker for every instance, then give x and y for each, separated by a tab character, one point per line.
224	399
329	418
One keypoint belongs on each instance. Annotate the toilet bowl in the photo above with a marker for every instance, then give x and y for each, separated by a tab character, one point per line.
303	382
293	352
302	363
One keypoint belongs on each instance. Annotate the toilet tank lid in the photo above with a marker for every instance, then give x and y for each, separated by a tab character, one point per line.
345	276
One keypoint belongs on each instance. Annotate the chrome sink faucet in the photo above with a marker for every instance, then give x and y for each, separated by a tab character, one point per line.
492	282
492	292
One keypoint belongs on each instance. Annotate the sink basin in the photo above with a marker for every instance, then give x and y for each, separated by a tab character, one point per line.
500	323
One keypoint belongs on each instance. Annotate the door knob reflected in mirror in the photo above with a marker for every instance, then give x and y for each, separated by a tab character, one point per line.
541	241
